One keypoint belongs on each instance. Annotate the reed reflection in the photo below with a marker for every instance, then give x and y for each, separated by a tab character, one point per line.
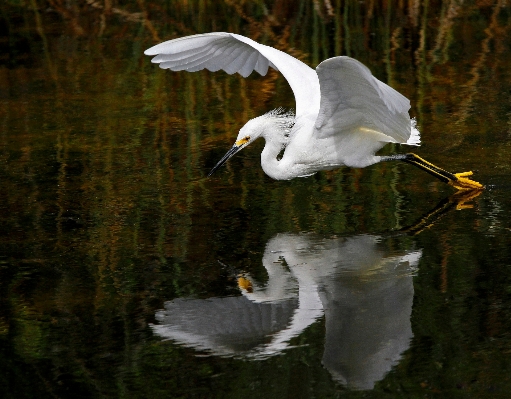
364	291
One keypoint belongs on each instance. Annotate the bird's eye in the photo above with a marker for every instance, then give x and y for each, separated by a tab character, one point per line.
242	141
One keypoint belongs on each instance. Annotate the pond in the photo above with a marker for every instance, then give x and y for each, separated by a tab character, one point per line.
126	272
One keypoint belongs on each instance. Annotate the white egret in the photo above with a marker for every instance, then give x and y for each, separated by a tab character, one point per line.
344	115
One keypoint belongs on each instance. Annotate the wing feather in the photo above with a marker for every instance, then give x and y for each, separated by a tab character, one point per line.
222	58
238	63
262	65
181	56
189	62
249	65
352	99
235	53
201	56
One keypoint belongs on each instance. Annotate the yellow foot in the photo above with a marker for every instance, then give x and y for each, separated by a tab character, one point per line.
462	183
463	196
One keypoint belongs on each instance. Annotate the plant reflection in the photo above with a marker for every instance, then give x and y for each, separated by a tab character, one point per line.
363	289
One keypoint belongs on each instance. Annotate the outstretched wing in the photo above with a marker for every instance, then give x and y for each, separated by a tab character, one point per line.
235	53
352	99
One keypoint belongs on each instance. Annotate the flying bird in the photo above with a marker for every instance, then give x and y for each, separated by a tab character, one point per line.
344	115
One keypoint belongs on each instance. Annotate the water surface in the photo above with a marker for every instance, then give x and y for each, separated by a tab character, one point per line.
125	272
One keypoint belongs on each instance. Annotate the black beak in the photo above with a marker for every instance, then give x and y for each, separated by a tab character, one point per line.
234	149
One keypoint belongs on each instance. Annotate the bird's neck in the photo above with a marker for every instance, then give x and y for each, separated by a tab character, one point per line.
276	138
269	162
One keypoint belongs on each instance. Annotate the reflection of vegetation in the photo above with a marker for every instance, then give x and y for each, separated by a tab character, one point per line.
105	212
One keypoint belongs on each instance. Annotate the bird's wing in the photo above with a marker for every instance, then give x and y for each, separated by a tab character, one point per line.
234	53
352	99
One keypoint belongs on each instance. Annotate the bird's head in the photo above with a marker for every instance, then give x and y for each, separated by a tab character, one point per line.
274	126
252	130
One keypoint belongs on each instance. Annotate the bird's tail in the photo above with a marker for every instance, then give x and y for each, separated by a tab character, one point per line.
415	136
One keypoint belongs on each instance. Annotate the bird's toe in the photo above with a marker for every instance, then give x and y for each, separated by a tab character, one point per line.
463	183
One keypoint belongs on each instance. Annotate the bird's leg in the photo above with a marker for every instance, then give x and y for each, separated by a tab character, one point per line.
457	200
457	180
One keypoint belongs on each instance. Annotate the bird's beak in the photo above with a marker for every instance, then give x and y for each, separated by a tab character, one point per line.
234	149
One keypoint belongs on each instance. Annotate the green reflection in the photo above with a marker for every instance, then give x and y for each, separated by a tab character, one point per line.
106	213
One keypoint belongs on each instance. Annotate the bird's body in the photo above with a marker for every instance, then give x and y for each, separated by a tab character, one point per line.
344	115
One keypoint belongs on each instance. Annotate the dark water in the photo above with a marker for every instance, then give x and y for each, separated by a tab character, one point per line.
125	272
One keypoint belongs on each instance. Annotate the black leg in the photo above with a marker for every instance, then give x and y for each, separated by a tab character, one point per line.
456	201
457	180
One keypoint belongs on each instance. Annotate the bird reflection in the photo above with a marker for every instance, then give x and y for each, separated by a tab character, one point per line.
363	289
364	292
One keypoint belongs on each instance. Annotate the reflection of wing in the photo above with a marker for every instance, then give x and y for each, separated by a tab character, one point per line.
366	297
235	53
351	98
364	291
367	326
223	326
